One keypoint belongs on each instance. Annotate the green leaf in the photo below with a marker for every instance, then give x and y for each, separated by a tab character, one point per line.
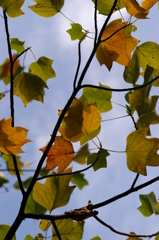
148	206
75	32
96	238
141	152
25	183
47	8
17	45
131	73
79	180
55	192
29	87
3	231
10	164
3	179
90	136
100	97
104	7
101	162
12	7
68	229
43	69
39	236
156	74
28	237
148	54
157	237
33	207
82	154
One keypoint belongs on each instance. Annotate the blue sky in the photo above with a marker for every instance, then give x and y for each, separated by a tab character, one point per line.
48	37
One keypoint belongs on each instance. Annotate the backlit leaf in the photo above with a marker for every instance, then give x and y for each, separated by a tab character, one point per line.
148	54
44	224
95	238
33	207
141	152
147	4
157	237
80	121
133	238
117	48
101	162
43	68
55	192
25	183
10	164
28	237
12	7
148	204
134	9
12	138
3	179
75	32
90	136
17	45
4	230
82	154
104	7
47	8
2	95
61	154
68	229
100	97
79	180
29	87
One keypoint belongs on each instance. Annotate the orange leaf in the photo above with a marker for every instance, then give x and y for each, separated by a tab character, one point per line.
117	48
12	138
61	154
134	9
6	67
147	4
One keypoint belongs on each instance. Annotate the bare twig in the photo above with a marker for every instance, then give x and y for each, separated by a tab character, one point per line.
95	23
19	55
56	229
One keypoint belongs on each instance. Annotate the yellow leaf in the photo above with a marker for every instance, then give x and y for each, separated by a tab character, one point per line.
79	121
147	4
117	48
141	152
134	9
12	138
12	7
61	154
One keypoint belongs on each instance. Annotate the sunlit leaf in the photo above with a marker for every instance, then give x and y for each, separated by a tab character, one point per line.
55	192
43	68
148	54
100	97
4	230
90	136
148	204
17	45
12	138
79	180
47	8
101	162
61	154
44	224
29	87
141	152
75	32
134	9
80	121
82	154
3	179
104	7
118	47
33	207
68	229
12	7
147	4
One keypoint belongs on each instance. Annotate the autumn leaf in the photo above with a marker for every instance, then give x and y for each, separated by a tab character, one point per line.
148	206
147	4
96	238
3	179
134	9
80	121
17	45
141	152
61	154
117	48
12	138
4	228
12	7
104	7
34	207
68	229
75	32
55	192
2	95
133	238
44	224
82	154
47	8
43	69
29	87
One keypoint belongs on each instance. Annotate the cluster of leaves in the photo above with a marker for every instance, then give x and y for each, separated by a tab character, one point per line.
80	120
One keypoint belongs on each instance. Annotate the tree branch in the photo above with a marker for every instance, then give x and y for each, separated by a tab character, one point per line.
95	23
56	229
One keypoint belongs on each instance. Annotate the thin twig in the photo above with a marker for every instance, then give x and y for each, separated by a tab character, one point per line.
123	233
95	23
135	180
56	229
19	55
129	112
